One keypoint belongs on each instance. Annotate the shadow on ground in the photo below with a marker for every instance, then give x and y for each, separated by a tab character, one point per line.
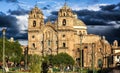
108	70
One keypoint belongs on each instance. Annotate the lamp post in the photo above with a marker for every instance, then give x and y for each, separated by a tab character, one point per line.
42	58
57	39
3	32
81	36
26	56
93	57
43	46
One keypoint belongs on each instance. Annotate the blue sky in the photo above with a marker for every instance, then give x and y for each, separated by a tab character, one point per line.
102	17
5	5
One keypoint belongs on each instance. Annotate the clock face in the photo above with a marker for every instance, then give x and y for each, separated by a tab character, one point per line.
34	23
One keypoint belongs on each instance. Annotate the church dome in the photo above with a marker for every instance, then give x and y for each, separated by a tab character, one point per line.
78	22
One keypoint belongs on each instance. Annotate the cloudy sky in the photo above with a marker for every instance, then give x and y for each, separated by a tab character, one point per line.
102	17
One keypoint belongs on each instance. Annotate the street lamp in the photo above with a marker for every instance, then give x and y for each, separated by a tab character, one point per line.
57	42
26	57
3	32
81	36
93	57
42	58
42	42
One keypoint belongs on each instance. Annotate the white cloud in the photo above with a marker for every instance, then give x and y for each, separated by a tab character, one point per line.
25	6
54	7
95	7
116	25
22	22
41	2
23	42
47	12
98	28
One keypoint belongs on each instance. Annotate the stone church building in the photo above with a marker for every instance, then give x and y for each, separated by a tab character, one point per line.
67	34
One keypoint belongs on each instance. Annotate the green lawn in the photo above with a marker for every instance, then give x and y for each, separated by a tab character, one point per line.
13	71
84	71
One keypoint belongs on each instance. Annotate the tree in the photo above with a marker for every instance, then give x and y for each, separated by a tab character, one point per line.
60	59
35	64
13	50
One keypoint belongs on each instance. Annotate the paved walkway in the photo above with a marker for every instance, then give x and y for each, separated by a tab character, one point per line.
115	70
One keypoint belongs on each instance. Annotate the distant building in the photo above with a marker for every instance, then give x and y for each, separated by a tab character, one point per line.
11	39
61	36
116	53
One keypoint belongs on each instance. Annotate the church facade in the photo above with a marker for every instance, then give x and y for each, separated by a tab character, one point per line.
67	34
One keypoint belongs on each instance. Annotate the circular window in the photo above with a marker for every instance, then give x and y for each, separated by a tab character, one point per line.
33	36
63	35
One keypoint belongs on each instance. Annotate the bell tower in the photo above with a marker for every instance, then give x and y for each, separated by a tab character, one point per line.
65	29
65	16
35	23
36	19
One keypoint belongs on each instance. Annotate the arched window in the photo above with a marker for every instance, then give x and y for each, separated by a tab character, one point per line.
48	42
64	22
64	14
56	42
33	45
50	50
84	32
34	16
80	32
34	23
64	45
78	50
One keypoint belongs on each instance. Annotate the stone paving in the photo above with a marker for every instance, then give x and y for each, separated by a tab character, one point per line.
115	70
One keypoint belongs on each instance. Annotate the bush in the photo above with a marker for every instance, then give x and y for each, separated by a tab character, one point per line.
35	64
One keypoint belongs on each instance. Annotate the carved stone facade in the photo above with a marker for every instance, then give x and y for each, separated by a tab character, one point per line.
116	53
61	36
